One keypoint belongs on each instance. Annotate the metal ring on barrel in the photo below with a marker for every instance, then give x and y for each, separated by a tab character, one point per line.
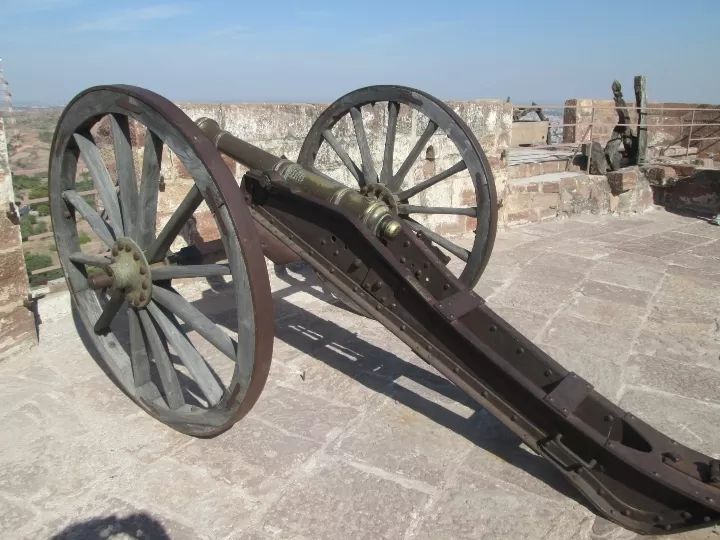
187	394
440	118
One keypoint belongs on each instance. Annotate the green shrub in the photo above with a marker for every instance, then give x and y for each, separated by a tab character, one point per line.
35	261
38	192
84	185
43	209
46	136
21	181
84	238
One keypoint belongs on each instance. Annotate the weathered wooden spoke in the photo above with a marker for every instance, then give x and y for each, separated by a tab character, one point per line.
89	260
368	168
125	166
387	168
138	351
143	319
440	121
191	271
460	252
413	209
111	309
430	182
160	246
193	317
344	157
149	188
101	178
189	356
99	226
166	370
399	177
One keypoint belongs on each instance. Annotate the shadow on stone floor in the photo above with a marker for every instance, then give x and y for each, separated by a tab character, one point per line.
375	368
140	526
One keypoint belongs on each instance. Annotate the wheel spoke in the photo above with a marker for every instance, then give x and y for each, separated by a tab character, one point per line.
99	226
183	309
101	178
149	189
387	168
190	271
412	209
425	184
166	370
189	356
344	157
117	299
368	168
410	160
138	351
90	260
125	166
459	252
160	246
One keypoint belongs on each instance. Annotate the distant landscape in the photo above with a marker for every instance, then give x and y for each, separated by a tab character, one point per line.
29	155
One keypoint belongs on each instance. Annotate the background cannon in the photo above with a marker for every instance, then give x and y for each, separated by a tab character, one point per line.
200	372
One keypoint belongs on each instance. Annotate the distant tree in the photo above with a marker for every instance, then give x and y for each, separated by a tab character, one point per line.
46	136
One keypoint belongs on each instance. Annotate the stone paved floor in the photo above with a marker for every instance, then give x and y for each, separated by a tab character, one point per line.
354	438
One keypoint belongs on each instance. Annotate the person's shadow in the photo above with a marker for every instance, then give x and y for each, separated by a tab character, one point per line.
139	526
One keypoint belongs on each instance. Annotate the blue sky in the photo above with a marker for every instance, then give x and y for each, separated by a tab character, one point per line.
316	50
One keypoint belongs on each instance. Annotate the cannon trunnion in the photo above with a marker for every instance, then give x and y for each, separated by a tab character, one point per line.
186	369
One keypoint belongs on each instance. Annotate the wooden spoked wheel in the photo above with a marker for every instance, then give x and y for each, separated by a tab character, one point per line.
184	368
415	200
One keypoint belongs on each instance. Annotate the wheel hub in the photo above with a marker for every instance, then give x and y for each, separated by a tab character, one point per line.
130	272
382	193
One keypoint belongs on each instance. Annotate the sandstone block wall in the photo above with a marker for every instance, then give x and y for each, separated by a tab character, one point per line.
282	128
17	323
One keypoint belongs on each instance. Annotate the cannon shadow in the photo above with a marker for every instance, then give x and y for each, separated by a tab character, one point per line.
371	366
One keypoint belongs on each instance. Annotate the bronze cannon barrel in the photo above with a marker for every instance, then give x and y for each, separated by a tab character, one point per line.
375	213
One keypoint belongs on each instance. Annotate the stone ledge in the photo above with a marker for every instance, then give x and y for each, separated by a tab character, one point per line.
17	332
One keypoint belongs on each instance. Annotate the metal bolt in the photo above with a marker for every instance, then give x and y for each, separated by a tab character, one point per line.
402	260
514	418
336	253
706	519
406	244
67	214
520	350
355	288
378	306
484	393
625	512
403	327
419	234
322	242
548	372
685	515
456	369
332	270
393	305
493	328
426	265
668	526
446	286
418	273
609	418
710	500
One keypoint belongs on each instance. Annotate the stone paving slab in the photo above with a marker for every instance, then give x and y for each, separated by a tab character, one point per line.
355	437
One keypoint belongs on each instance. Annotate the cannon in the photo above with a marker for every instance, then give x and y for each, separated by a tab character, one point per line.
364	243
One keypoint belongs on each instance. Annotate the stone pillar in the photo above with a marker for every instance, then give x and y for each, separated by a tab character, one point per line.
17	323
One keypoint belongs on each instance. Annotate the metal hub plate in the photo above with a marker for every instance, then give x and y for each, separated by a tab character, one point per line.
131	272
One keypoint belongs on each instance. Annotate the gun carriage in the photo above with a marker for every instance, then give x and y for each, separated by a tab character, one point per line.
363	242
